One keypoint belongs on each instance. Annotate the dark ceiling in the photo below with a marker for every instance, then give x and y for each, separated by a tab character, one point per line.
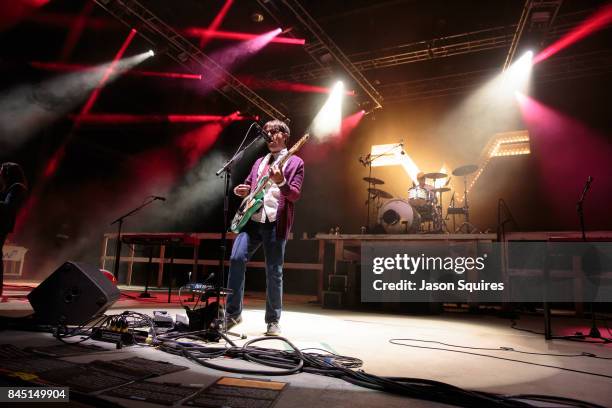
365	31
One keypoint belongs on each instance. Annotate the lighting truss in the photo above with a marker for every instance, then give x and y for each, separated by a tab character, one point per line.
322	48
558	69
548	9
163	37
459	44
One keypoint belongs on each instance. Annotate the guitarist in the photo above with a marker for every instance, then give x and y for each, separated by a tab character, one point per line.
269	226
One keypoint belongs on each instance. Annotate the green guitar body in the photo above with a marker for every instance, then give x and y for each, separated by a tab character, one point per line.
249	206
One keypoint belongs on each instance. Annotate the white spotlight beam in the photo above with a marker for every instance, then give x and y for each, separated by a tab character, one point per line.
27	109
328	121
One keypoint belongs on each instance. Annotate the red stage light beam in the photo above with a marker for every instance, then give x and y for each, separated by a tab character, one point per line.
567	152
120	118
76	31
204	39
53	163
98	23
276	85
96	92
64	67
65	20
237	36
14	11
350	123
596	22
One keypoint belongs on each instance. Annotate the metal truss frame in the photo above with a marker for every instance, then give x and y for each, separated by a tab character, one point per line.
165	39
319	44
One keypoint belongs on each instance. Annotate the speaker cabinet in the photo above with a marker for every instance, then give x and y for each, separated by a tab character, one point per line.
73	294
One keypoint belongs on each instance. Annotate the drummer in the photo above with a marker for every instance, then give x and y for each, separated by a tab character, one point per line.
422	184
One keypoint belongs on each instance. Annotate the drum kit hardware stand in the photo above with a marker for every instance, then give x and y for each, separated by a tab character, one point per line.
466	227
423	211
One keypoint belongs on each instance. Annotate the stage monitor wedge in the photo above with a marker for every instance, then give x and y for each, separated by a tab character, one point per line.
72	295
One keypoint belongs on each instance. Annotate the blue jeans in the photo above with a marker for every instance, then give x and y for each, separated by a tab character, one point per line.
246	243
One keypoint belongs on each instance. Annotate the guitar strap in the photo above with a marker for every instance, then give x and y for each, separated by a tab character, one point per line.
265	170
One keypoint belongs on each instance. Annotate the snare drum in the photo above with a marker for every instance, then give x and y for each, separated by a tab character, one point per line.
419	196
398	217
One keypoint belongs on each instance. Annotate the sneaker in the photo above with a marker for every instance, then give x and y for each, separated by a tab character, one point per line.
233	321
273	329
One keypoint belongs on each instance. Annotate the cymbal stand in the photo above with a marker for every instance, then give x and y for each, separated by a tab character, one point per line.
441	224
467	225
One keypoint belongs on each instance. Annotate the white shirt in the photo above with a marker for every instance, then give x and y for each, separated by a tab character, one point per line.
267	212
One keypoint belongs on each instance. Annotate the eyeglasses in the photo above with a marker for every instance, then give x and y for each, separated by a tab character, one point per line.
275	132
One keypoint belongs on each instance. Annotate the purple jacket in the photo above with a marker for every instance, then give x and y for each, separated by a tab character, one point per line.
290	192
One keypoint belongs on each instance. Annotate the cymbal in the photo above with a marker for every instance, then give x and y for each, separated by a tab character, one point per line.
441	190
373	180
379	193
465	170
435	176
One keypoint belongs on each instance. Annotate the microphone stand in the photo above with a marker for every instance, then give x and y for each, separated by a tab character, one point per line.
579	207
594	332
213	333
119	222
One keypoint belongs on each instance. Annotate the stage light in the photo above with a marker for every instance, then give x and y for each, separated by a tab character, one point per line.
257	17
328	121
516	77
151	53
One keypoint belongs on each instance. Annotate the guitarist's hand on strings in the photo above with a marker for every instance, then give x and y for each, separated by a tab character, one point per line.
276	175
242	190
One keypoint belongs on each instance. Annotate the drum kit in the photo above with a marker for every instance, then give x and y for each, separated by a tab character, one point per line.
422	212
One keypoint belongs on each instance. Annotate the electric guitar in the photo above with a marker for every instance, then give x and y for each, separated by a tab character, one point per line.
253	202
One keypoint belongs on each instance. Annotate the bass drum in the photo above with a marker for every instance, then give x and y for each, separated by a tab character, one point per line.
398	217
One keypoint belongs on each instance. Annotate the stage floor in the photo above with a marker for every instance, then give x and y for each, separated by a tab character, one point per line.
366	336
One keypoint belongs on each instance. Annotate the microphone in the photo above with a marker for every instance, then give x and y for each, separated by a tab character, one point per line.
262	133
587	185
159	198
364	161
